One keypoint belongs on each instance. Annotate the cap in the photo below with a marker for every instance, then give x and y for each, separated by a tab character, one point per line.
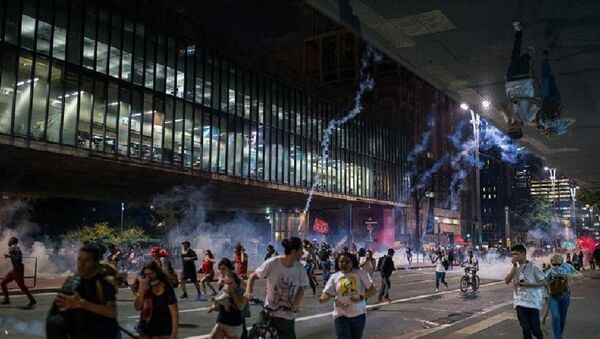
186	243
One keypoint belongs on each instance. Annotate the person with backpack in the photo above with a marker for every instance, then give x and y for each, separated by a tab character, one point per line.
442	264
385	266
557	278
85	307
157	304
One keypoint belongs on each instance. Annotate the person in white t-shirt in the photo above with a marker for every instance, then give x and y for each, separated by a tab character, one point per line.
368	263
286	280
528	280
350	287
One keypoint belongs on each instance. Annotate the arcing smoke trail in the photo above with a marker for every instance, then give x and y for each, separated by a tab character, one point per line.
366	84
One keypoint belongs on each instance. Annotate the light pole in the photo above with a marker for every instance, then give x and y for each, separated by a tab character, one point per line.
475	122
122	211
573	191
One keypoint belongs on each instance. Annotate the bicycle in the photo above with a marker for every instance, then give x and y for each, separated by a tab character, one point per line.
469	279
263	329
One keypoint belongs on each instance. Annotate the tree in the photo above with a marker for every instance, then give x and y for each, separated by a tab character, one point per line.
532	212
588	197
104	234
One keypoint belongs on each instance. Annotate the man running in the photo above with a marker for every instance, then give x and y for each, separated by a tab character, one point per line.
188	256
286	280
17	273
528	280
385	266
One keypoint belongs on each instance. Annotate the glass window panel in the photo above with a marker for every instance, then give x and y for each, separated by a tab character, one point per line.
13	13
208	80
198	137
56	103
223	138
44	33
74	45
127	56
102	43
187	136
189	72
89	36
171	52
150	51
169	128
178	136
115	45
40	98
86	99
247	144
8	86
224	74
28	24
199	77
124	120
260	149
147	126
135	129
159	120
99	115
161	63
138	52
112	113
206	141
22	103
70	115
180	82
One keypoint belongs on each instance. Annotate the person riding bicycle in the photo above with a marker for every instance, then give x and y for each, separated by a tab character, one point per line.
471	264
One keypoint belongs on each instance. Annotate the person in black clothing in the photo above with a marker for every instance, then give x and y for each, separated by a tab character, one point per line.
188	256
229	303
270	252
158	305
87	301
325	259
386	267
17	273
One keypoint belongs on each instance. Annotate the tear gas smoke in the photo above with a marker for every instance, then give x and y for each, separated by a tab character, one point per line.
366	84
12	326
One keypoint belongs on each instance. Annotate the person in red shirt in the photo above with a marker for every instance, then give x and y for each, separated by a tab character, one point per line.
209	271
240	260
17	273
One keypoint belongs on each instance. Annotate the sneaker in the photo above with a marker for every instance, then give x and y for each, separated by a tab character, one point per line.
437	290
517	26
388	300
30	305
380	299
183	296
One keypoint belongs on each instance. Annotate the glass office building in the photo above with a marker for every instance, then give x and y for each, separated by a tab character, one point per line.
78	74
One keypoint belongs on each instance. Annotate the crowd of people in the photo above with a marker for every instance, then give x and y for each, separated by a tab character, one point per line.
86	304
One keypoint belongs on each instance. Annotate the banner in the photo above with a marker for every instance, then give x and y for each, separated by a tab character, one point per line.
320	226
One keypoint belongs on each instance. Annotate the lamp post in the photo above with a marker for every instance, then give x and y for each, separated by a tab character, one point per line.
475	122
573	191
122	211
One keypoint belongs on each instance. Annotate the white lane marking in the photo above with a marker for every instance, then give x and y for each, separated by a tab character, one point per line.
325	314
482	325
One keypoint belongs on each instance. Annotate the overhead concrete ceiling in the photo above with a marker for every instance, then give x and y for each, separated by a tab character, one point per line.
463	47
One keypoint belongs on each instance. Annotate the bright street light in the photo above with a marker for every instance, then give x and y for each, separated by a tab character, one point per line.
485	104
464	106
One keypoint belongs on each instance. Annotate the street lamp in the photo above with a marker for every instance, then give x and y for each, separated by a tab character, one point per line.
122	211
573	191
475	122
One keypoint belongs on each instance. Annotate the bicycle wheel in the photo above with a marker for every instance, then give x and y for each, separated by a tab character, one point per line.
475	285
464	284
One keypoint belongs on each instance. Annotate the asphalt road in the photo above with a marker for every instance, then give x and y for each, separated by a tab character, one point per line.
415	309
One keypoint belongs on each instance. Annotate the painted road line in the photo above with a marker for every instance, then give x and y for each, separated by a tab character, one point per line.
482	325
381	304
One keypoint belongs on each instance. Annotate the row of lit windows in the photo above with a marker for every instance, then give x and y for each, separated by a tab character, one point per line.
213	115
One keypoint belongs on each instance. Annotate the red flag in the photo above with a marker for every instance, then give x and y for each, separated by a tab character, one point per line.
320	226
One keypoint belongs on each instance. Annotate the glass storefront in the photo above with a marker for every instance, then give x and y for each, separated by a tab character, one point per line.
77	74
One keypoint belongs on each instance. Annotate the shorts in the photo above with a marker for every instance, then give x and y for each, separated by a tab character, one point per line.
191	276
208	278
230	331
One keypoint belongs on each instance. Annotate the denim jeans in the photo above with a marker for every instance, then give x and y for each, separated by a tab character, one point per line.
559	308
519	64
386	284
529	318
310	268
440	276
350	328
326	267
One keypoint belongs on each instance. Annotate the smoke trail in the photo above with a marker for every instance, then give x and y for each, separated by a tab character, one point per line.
366	84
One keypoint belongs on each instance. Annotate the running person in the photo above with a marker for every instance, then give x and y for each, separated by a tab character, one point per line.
286	280
17	273
209	272
188	256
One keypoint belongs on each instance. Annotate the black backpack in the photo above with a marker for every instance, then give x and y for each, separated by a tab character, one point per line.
446	263
380	263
